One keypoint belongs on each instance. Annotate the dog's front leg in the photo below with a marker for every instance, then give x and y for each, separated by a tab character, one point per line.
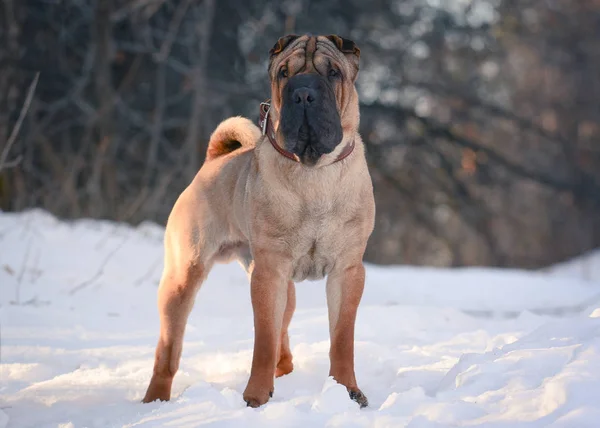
269	284
344	292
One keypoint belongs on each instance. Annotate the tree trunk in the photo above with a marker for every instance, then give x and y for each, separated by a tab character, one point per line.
102	39
199	100
9	81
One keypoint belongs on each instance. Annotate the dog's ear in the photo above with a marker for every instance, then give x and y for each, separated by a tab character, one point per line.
348	48
282	44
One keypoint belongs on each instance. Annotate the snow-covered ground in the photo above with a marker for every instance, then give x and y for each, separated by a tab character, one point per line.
435	348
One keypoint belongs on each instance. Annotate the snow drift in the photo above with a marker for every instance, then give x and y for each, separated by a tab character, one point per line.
435	347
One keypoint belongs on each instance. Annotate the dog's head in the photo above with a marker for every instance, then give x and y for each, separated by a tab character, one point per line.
314	103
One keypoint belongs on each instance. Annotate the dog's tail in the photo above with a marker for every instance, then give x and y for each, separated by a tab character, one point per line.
232	134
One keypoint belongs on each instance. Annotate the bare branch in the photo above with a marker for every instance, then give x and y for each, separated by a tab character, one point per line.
436	129
132	7
13	136
165	49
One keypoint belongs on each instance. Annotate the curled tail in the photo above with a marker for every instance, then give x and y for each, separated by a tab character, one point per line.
232	134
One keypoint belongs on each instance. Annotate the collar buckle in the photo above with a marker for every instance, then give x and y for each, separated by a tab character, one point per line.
265	108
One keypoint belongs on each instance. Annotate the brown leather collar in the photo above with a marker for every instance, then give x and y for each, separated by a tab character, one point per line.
267	129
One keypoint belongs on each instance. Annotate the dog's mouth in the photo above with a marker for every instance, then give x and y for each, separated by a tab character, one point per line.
310	123
311	141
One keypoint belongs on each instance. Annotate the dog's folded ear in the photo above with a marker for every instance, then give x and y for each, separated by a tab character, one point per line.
281	44
347	47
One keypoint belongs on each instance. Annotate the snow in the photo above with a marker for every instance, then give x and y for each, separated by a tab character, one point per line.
434	347
586	266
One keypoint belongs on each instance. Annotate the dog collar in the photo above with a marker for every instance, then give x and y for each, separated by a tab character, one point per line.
266	128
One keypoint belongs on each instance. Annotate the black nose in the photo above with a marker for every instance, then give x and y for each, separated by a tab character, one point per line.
304	96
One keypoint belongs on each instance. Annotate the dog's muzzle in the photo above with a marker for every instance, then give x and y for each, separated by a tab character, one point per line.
310	123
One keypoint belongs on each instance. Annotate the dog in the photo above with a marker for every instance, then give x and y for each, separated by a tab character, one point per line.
290	200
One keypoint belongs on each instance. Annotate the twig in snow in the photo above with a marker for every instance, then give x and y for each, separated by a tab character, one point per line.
100	271
148	273
36	272
22	273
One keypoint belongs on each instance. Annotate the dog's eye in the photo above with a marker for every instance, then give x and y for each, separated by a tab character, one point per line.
333	73
283	72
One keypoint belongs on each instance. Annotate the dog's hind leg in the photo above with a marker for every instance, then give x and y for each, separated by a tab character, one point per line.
183	274
284	364
175	300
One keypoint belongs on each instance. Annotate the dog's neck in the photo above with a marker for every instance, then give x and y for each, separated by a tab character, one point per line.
266	127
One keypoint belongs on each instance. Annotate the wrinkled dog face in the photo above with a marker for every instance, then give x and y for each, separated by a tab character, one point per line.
313	94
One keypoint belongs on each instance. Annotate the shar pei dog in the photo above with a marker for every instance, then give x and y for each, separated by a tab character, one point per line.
290	199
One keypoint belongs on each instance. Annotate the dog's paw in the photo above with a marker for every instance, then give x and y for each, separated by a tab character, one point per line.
359	397
256	398
153	395
285	366
159	389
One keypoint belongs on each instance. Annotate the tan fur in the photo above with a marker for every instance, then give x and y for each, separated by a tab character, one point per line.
229	132
284	222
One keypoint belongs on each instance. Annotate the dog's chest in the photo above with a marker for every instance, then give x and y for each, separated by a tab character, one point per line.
315	264
313	220
317	243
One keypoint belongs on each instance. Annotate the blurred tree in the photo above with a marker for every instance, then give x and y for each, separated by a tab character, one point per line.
479	116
